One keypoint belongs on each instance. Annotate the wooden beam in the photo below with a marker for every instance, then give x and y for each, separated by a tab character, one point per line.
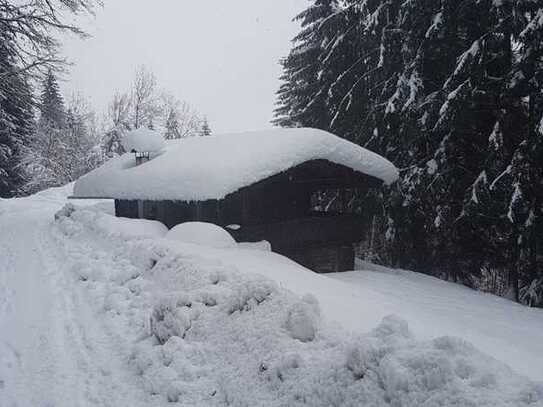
71	197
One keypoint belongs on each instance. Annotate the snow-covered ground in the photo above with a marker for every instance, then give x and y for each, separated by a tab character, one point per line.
100	311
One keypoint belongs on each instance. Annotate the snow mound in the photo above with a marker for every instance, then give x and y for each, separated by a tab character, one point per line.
302	319
73	220
263	246
143	140
200	168
221	337
171	317
202	233
65	212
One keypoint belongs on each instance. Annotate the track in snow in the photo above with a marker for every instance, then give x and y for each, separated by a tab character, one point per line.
53	351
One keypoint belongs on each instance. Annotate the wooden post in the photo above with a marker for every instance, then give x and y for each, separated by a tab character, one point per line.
199	211
140	209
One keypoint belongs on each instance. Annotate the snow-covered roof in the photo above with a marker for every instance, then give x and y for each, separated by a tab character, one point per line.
200	168
143	140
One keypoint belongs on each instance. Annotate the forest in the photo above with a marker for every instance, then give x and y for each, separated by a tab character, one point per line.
451	92
46	141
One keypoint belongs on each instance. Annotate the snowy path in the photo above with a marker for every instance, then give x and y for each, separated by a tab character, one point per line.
28	329
53	350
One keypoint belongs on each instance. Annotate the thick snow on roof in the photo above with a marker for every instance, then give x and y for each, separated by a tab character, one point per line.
143	140
200	168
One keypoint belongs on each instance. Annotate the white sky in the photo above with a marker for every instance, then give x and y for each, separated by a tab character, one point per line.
221	56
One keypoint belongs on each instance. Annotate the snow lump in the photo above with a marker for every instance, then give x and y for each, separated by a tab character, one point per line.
302	319
143	140
202	233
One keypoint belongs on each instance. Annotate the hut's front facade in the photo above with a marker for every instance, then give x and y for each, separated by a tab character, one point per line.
259	186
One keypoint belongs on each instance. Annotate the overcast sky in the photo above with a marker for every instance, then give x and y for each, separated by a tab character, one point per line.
221	56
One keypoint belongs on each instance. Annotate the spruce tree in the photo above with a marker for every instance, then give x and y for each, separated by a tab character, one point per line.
451	93
52	111
526	167
302	96
16	121
205	130
172	126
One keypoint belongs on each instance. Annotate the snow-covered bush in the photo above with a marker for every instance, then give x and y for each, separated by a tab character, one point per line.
532	293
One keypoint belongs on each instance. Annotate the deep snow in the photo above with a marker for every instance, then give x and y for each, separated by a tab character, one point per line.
200	168
143	140
102	311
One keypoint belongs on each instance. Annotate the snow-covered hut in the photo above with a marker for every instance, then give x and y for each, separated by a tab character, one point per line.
259	185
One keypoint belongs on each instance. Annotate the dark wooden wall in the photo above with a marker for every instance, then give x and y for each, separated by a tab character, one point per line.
277	209
126	209
328	258
300	232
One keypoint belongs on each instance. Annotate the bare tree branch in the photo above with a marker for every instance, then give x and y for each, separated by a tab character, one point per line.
29	30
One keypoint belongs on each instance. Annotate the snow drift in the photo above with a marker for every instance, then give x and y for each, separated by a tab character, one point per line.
220	337
200	168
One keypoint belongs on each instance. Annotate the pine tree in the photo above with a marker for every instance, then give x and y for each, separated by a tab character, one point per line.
302	96
16	121
205	130
57	156
52	111
451	93
48	160
526	167
172	126
28	47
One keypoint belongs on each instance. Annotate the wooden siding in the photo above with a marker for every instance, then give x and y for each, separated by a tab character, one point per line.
126	209
328	258
296	233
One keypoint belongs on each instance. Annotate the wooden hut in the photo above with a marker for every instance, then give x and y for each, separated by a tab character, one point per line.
259	186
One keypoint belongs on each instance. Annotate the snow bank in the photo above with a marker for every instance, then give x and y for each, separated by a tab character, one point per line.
111	226
202	233
143	140
221	337
199	168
